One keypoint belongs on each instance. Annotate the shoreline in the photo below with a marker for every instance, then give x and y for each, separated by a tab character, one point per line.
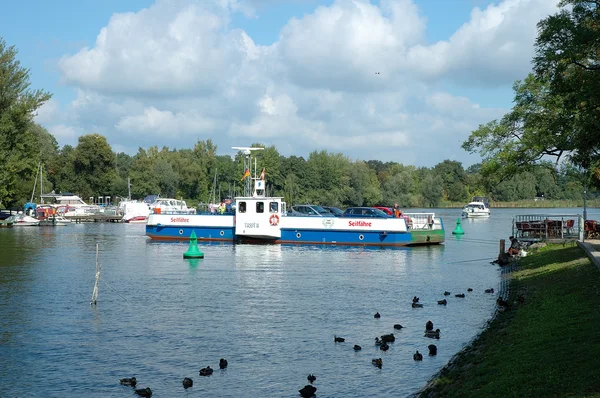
541	346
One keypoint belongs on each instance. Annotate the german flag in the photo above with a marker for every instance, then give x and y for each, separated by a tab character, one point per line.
246	174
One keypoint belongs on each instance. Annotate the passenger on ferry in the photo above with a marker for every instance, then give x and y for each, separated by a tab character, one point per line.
222	208
228	205
397	211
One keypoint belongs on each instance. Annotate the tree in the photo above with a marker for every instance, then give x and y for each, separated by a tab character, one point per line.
537	127
568	58
19	152
94	164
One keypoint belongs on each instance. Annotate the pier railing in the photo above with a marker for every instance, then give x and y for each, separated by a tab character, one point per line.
542	227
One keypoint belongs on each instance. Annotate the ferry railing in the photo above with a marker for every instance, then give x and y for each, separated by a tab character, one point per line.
421	221
542	227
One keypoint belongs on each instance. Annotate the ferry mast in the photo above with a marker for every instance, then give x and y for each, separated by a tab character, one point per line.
248	166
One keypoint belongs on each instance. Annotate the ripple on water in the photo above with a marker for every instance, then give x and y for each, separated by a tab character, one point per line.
271	311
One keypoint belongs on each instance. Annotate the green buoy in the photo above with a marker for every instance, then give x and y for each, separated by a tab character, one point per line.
193	251
458	230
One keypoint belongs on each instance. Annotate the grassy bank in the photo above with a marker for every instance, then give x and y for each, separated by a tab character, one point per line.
546	346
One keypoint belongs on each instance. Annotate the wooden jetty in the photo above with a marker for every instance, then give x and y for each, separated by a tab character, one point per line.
96	218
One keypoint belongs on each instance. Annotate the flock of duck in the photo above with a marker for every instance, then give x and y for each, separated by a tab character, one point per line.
187	382
382	342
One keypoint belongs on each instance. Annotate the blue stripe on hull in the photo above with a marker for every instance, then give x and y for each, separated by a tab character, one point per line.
345	237
184	232
294	236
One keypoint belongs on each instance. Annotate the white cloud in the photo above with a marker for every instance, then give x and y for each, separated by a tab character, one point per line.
354	77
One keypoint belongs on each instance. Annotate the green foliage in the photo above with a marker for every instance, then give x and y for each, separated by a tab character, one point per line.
21	141
568	57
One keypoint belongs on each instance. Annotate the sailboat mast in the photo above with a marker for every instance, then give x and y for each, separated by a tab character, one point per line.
35	181
41	184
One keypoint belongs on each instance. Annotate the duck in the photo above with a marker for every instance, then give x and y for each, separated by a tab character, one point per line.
307	391
432	349
428	326
417	356
377	362
357	347
417	305
207	371
398	326
469	290
415	299
433	334
311	378
377	315
129	382
490	290
388	338
447	293
460	295
146	392
222	363
338	339
187	382
378	342
384	347
442	302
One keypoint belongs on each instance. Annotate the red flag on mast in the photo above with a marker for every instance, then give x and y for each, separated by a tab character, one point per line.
246	174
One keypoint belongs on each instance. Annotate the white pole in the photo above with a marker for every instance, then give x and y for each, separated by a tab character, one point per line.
95	292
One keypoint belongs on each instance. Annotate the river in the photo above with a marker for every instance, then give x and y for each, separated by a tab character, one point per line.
272	311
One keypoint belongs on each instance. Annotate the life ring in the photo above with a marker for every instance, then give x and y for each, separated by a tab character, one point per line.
274	220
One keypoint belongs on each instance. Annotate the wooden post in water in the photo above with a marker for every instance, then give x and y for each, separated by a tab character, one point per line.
501	255
95	292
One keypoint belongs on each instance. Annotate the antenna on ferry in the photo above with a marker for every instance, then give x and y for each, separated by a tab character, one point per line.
247	166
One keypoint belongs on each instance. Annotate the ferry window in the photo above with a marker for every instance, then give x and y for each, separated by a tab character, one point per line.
260	207
242	207
274	207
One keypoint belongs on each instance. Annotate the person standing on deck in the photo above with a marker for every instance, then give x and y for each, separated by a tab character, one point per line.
397	211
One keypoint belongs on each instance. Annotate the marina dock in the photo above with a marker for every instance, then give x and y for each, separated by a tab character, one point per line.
95	218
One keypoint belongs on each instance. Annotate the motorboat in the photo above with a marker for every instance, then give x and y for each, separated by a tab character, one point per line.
172	206
23	220
134	212
478	207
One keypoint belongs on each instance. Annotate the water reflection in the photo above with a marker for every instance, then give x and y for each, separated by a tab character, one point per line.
268	307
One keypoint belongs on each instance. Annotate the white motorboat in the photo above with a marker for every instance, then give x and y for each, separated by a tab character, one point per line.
477	208
134	212
22	220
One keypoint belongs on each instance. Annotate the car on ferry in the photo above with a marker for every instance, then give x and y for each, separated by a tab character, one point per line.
386	210
308	211
336	211
364	212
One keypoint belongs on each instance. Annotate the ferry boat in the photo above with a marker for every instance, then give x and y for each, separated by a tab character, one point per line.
262	219
477	208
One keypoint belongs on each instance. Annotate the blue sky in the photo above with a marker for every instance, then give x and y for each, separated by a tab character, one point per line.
301	85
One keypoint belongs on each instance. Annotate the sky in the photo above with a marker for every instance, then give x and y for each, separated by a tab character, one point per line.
392	80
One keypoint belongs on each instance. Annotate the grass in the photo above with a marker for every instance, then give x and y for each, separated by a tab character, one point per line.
547	346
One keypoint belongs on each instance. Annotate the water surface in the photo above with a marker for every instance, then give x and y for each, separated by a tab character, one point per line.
272	311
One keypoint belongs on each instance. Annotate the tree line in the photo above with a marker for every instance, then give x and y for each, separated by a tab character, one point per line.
199	174
546	146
